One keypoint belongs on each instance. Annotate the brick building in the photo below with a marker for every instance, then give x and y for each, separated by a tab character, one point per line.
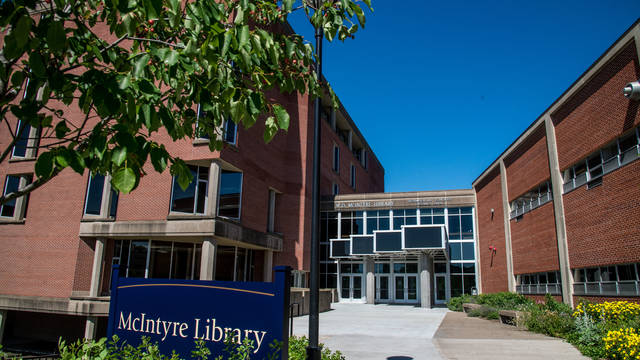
247	210
559	210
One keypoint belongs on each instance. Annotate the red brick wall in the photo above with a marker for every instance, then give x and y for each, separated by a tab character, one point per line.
541	298
599	112
84	265
602	223
600	299
533	241
493	272
528	165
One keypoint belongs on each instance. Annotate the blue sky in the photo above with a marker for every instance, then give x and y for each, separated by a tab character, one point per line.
440	88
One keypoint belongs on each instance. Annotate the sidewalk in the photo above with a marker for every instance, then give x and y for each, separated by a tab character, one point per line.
462	337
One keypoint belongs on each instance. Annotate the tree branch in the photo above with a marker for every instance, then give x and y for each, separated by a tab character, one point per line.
27	189
179	46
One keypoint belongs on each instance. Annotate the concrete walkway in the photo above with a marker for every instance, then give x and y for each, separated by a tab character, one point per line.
462	337
395	332
372	332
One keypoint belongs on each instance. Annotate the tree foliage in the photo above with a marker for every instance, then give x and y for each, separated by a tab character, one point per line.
135	68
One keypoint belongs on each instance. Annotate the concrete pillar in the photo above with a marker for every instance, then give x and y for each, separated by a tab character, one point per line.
3	323
214	188
558	209
96	271
268	266
90	327
105	205
207	261
426	270
511	281
370	287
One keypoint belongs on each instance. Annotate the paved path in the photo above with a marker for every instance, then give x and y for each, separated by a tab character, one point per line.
462	337
394	332
372	332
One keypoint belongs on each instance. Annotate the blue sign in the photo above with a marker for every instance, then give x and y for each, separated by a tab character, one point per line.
176	313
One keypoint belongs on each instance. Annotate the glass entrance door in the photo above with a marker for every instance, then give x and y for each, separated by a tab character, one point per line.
441	289
350	287
382	288
406	288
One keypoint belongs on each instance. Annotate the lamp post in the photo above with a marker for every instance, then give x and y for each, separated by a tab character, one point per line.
313	350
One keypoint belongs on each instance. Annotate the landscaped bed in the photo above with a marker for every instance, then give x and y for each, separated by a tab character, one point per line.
607	330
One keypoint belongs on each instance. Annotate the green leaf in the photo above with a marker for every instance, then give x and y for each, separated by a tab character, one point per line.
239	16
288	5
172	58
283	117
124	180
227	41
243	36
17	79
44	165
140	64
61	129
118	155
270	129
22	29
159	156
56	36
191	49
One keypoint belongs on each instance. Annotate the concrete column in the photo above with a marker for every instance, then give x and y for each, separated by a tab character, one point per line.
3	323
426	270
105	205
90	327
207	261
96	271
214	188
268	266
511	281
370	287
18	212
558	209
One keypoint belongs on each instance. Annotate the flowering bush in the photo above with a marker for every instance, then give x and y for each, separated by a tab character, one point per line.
610	311
622	344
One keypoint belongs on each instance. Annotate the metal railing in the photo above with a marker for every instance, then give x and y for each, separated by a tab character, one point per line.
608	288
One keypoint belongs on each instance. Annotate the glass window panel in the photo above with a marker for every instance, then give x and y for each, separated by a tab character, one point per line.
383	223
20	147
11	185
593	275
397	223
412	268
399	287
425	220
346	227
456	285
241	264
610	152
383	268
410	212
455	268
230	132
551	278
202	197
332	230
628	142
230	194
608	273
357	268
94	194
160	259
469	282
114	203
357	287
579	275
455	251
225	260
467	226
411	220
469	268
438	211
439	267
425	212
372	225
345	268
184	200
138	259
332	268
466	210
345	287
468	252
454	211
626	272
399	268
454	227
439	220
542	278
358	226
182	261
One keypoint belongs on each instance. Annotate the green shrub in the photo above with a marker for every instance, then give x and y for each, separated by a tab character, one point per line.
504	300
484	312
541	320
298	350
455	303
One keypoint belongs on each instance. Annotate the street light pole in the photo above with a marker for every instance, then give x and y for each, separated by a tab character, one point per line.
313	350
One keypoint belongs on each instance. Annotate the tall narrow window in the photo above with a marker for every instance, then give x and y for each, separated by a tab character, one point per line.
21	146
353	176
336	189
271	217
230	131
15	209
230	194
229	128
336	158
192	200
98	191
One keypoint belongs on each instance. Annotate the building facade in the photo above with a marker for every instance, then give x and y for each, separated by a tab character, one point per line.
248	209
401	248
559	210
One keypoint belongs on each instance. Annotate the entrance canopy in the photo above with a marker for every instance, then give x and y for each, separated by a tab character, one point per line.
431	239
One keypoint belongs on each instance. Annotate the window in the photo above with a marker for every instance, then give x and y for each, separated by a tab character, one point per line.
158	259
26	145
404	217
99	190
230	194
377	220
15	209
352	223
531	200
271	215
539	283
353	176
431	216
336	158
194	199
610	280
229	129
336	189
